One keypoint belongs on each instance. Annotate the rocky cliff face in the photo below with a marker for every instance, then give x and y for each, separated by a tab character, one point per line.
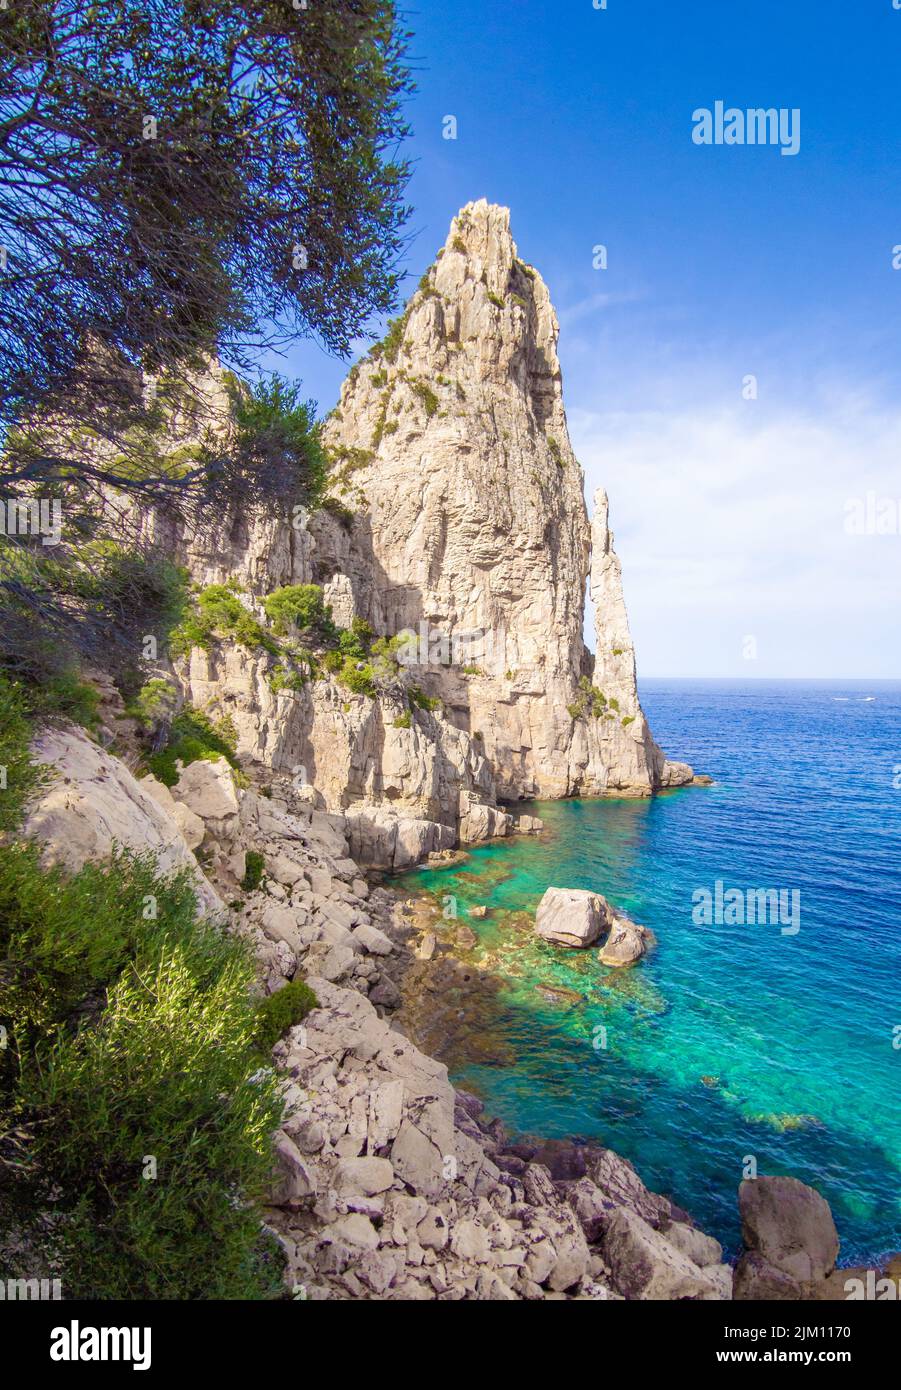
471	529
466	530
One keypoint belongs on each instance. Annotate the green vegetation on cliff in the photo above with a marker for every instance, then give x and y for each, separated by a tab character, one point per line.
135	1120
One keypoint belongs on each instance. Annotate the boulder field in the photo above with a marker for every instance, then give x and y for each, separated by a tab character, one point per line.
388	1182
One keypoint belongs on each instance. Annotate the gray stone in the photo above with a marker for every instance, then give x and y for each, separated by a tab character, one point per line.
571	917
790	1226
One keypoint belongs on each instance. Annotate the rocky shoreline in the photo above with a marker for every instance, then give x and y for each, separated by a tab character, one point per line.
391	1184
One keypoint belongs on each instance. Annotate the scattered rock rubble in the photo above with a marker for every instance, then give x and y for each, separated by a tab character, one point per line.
390	1184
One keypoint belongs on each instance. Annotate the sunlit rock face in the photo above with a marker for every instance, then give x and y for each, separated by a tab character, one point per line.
471	529
462	525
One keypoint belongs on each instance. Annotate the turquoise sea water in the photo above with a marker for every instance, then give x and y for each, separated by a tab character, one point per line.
792	1033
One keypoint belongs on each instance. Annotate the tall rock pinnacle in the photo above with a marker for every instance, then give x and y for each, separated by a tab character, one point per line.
450	444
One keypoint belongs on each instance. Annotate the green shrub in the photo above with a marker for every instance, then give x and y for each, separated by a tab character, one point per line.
285	679
591	701
403	721
277	430
351	643
380	419
154	701
19	777
219	613
339	511
165	1074
419	698
299	606
392	342
193	735
426	395
347	460
555	451
629	719
67	696
254	865
357	677
130	1037
281	1011
495	299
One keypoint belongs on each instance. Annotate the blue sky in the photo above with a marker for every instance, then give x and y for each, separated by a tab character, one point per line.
723	262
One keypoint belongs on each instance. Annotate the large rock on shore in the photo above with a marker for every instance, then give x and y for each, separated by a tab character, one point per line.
791	1244
92	805
571	917
647	1265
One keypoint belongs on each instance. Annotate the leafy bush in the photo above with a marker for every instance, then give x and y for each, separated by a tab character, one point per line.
67	696
358	677
155	701
403	721
392	342
131	1032
19	776
629	719
419	698
351	643
339	511
193	735
281	1011
219	613
254	865
285	679
591	701
299	606
275	428
555	451
380	426
426	395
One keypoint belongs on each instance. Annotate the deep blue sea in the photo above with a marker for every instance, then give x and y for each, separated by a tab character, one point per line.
729	1043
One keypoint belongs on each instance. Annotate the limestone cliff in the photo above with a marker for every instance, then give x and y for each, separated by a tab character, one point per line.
465	528
470	526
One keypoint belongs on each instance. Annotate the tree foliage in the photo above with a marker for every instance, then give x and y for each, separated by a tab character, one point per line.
179	179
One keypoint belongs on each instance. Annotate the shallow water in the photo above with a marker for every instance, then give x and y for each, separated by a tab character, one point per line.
728	1041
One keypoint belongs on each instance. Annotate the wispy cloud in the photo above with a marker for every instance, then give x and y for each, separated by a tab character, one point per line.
730	523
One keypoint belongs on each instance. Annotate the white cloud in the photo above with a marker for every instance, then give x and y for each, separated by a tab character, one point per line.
730	522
